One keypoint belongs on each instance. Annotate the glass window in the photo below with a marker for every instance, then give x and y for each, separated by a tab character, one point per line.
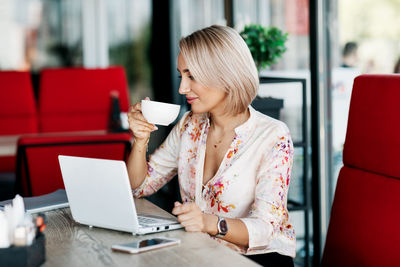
129	35
290	16
187	17
284	81
195	15
251	11
40	33
362	41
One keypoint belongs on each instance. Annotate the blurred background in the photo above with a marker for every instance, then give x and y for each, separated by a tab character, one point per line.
358	36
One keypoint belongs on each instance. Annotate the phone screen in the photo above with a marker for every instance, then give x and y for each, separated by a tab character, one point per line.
147	243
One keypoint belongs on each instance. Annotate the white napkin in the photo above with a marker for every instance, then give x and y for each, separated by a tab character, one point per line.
9	214
13	215
4	240
18	210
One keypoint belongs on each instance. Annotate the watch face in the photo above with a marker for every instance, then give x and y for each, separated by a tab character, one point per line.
223	226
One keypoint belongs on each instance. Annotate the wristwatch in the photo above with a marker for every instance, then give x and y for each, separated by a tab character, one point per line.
222	227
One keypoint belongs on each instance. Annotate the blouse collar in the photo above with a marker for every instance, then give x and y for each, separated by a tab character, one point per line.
242	130
248	125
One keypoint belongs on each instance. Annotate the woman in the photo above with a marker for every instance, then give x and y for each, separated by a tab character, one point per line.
233	162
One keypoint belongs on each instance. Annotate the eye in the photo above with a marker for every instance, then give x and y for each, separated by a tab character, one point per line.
191	77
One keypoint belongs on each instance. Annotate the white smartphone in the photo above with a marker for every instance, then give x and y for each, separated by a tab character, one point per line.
146	244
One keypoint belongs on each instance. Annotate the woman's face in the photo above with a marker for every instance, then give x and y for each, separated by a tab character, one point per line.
202	99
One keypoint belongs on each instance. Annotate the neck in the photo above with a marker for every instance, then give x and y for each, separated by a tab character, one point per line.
224	123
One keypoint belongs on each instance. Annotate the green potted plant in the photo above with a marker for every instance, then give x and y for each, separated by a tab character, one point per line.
266	44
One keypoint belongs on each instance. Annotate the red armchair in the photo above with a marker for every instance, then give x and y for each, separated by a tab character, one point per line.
78	99
366	208
74	112
38	171
17	110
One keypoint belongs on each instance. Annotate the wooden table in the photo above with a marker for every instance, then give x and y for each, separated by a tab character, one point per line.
71	244
8	145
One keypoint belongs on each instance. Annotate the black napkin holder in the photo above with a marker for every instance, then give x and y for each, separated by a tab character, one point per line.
33	255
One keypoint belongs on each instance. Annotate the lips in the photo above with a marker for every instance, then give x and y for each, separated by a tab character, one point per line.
190	100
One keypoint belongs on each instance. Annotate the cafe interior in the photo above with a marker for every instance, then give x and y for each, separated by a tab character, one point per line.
71	70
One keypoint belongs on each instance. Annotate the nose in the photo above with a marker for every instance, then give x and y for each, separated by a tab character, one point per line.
184	87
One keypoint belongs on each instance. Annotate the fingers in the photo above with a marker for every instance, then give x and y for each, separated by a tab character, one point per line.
136	112
137	109
143	126
139	126
175	210
193	224
186	216
193	228
190	216
138	106
183	208
141	136
141	129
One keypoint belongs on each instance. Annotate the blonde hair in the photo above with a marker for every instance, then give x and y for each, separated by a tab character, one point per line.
218	57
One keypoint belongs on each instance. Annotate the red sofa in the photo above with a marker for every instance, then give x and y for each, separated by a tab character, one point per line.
38	170
78	99
72	118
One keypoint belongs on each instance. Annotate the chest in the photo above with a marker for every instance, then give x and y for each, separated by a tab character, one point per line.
230	190
212	161
223	172
216	150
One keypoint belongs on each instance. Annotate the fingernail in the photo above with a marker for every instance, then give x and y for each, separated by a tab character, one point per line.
155	127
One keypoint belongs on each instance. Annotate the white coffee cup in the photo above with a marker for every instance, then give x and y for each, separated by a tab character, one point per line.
159	113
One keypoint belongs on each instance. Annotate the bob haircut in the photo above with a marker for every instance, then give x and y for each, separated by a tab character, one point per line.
218	57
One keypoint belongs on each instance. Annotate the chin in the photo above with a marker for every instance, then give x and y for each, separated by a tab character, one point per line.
198	110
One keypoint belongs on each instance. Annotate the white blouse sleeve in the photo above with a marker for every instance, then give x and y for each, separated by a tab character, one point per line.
268	215
163	163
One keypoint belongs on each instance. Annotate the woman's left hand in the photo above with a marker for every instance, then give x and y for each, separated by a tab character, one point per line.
190	216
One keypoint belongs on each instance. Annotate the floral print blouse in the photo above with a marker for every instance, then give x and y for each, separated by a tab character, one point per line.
251	183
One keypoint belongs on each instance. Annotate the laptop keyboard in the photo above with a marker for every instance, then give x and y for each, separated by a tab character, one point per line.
147	221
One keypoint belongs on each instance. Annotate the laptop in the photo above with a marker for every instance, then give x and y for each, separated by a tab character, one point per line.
99	194
51	201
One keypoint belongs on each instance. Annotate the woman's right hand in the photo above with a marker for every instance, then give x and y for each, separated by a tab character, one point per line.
139	126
